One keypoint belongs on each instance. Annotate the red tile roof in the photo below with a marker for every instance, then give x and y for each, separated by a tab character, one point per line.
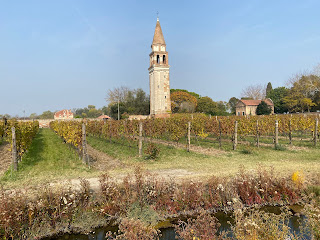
256	102
63	114
103	117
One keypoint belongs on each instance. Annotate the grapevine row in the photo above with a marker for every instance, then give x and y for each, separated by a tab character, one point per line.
175	127
70	131
25	132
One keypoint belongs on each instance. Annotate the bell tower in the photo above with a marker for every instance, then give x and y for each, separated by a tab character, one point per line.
160	104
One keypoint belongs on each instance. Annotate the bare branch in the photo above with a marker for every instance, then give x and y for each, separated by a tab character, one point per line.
254	91
118	93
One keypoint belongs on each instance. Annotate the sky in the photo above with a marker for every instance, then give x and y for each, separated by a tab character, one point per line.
66	54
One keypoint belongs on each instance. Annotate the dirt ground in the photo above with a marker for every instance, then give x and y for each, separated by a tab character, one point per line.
5	158
193	148
102	161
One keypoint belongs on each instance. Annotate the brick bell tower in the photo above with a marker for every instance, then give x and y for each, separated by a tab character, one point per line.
160	104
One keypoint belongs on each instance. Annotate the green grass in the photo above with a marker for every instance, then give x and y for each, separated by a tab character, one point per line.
47	159
129	155
285	162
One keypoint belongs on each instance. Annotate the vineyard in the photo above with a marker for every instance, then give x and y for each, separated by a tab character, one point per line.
180	130
197	129
19	135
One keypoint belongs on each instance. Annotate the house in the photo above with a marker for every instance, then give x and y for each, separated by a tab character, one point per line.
103	117
63	114
249	107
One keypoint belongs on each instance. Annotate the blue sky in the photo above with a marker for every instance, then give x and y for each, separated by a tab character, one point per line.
68	53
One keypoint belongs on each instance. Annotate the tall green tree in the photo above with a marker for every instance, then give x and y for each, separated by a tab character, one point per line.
207	105
132	102
277	95
232	104
269	88
263	109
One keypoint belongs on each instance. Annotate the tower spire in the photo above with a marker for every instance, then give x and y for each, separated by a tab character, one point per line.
158	35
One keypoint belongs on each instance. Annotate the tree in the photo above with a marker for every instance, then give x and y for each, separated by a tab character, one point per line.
222	108
5	116
277	95
196	95
137	102
47	115
182	101
114	110
256	92
33	116
269	88
207	105
232	104
304	93
117	94
263	109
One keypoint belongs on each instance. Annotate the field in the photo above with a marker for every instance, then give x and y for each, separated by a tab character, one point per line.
56	157
50	159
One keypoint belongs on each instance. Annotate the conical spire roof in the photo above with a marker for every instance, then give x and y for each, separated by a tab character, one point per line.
158	36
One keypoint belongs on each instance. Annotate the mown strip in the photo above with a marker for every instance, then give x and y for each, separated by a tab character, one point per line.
47	159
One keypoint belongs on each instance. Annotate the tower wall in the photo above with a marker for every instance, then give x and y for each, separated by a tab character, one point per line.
159	90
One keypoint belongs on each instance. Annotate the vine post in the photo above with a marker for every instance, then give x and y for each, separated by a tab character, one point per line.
235	136
85	157
276	134
315	131
220	134
257	133
140	139
110	131
189	130
290	133
14	150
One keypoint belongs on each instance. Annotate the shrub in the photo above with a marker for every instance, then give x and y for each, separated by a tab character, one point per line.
152	151
134	230
256	224
204	227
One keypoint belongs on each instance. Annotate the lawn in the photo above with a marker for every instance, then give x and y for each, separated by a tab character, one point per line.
47	159
284	161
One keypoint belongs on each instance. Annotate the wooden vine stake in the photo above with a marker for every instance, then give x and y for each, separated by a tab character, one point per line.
315	132
220	134
14	150
235	137
189	136
257	134
140	139
276	135
85	157
290	133
110	131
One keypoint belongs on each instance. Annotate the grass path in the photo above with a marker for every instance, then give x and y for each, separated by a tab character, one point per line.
47	159
198	166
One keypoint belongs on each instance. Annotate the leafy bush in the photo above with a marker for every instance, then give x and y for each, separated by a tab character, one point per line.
152	151
205	226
